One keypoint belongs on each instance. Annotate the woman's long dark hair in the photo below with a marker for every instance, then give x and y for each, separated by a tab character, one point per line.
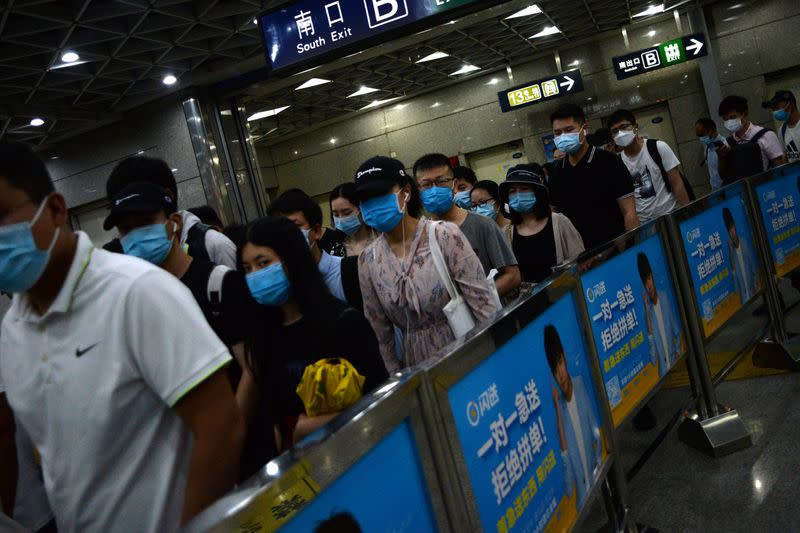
313	298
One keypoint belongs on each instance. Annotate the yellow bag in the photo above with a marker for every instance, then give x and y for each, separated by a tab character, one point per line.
329	386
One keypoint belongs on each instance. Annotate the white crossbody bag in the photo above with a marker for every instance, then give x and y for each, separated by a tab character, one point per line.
457	311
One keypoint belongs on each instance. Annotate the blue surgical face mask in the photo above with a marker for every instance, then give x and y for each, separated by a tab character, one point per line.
437	200
522	202
269	286
706	140
348	225
21	262
383	213
569	143
486	210
781	115
463	200
149	243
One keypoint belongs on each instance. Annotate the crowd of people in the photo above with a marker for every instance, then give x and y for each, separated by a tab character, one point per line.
143	380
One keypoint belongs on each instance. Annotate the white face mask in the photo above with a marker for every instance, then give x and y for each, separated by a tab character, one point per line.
624	138
733	125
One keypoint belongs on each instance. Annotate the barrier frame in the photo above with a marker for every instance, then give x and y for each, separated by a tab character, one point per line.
329	453
441	375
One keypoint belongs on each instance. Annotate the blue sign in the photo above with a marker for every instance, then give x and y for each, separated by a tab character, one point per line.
309	29
723	263
636	325
530	428
384	491
779	199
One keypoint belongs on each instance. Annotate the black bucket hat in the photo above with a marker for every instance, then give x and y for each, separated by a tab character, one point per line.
527	174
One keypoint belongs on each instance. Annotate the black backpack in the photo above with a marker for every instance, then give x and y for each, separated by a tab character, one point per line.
744	159
196	241
652	149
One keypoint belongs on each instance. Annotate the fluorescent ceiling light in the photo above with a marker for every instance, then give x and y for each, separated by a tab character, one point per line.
226	112
435	104
527	12
362	91
169	79
548	30
70	57
493	81
466	69
651	33
313	82
267	113
37	122
574	63
376	103
65	65
652	10
433	57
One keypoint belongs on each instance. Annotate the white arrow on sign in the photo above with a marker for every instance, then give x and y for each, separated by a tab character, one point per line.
568	84
695	47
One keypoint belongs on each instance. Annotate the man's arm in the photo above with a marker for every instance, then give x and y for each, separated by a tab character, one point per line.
678	189
8	457
627	206
508	280
778	161
210	411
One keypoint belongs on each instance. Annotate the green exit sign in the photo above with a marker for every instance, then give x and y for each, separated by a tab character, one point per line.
661	56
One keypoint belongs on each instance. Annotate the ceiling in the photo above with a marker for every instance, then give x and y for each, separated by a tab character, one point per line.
489	44
128	46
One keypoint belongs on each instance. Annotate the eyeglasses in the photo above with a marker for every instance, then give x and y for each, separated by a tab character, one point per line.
441	182
621	127
490	202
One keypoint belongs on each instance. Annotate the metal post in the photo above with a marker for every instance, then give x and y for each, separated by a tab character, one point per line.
708	64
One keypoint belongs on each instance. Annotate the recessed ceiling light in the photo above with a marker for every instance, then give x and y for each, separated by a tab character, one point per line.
376	103
140	152
267	113
53	157
736	6
226	112
333	140
466	69
651	33
652	10
574	63
527	12
313	82
493	81
255	21
37	122
547	30
169	79
174	169
70	57
433	57
296	152
362	91
436	104
400	107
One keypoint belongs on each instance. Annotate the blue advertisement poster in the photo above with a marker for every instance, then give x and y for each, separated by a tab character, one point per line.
723	262
636	325
530	428
779	199
384	491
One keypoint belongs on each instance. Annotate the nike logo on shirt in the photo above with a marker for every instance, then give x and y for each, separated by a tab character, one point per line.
79	352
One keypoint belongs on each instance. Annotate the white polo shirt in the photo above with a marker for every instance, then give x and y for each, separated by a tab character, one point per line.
93	382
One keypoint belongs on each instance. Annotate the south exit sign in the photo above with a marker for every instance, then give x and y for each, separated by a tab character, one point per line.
538	91
664	55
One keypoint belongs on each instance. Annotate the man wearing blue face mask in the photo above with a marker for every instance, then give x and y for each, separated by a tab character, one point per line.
709	137
784	110
136	424
592	187
437	184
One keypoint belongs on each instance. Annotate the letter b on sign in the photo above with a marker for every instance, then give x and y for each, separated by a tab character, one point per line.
380	12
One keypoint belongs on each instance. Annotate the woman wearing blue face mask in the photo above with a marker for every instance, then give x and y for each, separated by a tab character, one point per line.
347	219
540	238
303	323
401	286
485	199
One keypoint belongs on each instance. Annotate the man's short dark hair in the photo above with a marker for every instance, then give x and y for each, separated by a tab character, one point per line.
566	111
24	170
294	201
553	347
430	161
621	115
140	168
733	103
707	123
207	215
643	264
465	174
727	216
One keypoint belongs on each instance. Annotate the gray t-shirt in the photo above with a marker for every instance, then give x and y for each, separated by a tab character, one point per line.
488	241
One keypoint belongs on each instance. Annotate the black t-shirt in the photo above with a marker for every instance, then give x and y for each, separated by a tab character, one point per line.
332	242
536	254
351	284
233	324
588	192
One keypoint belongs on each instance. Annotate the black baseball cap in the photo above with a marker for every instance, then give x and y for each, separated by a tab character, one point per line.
377	176
780	96
527	174
139	199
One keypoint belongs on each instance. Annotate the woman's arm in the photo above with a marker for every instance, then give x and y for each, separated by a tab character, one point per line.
373	311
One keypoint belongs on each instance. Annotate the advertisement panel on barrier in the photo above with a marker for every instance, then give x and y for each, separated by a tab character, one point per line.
384	491
637	329
778	199
530	427
723	261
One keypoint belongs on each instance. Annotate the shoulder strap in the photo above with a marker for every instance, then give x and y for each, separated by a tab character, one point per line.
439	262
655	155
214	288
760	133
783	131
196	241
732	141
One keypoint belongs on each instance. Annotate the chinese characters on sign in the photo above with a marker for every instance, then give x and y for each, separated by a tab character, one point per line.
534	92
778	201
660	56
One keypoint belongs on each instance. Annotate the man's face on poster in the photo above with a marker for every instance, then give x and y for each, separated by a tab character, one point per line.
563	378
650	287
733	235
